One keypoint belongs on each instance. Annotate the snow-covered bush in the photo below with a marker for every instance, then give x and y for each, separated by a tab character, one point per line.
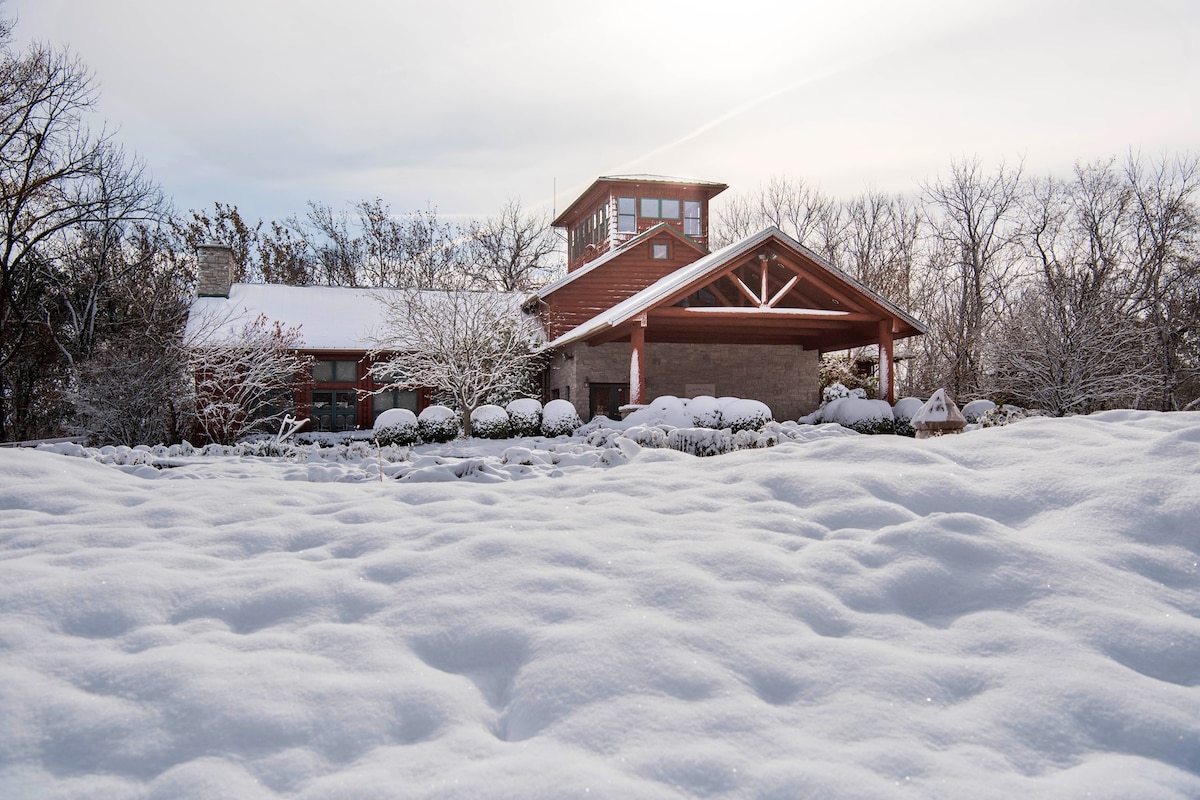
902	414
559	418
1001	415
858	414
702	412
647	436
396	426
834	391
525	416
975	410
705	412
490	422
438	424
701	441
744	415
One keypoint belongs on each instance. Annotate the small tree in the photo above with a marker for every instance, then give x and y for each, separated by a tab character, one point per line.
470	347
247	379
510	251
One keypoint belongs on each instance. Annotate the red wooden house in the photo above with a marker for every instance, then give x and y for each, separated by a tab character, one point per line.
645	309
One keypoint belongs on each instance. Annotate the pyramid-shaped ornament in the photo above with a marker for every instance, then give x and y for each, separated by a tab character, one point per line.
938	416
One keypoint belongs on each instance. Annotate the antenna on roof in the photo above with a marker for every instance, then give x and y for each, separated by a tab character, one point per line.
554	200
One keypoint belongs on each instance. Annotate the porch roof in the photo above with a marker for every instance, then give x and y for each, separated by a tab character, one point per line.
827	327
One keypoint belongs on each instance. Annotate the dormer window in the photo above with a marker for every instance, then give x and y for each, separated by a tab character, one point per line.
659	250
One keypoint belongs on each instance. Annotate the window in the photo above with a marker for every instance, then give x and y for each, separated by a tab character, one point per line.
334	410
659	250
626	215
393	398
657	208
691	217
335	371
591	231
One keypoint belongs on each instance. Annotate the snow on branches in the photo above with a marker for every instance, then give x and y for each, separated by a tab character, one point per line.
246	380
470	347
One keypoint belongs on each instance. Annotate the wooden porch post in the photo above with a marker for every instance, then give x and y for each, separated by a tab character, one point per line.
637	362
887	383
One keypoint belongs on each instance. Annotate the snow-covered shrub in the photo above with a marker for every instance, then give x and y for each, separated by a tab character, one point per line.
744	415
834	391
559	418
525	416
705	412
438	424
858	414
843	370
663	410
647	436
1001	415
975	410
902	414
701	441
396	426
490	422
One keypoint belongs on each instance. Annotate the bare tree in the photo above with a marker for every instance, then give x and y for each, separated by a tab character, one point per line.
509	251
1166	258
469	347
881	244
56	178
336	254
973	257
1071	344
224	226
796	208
245	379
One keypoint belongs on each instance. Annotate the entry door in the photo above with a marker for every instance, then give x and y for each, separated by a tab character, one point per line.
607	399
334	410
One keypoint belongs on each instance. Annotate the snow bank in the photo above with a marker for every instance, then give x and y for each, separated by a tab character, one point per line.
1011	612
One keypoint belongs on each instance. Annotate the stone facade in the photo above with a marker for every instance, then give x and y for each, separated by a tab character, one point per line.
215	263
782	376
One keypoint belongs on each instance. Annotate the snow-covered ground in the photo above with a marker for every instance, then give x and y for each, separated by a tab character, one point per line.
1010	612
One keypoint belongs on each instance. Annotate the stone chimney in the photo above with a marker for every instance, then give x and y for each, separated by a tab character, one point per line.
216	270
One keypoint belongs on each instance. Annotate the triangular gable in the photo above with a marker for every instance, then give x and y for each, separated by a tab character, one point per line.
767	282
599	263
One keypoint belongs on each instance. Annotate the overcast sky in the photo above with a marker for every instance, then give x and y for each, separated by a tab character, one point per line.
269	104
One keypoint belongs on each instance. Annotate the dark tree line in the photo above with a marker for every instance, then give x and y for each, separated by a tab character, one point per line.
1065	293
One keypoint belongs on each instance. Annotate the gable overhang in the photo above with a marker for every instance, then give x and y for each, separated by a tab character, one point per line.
799	298
592	266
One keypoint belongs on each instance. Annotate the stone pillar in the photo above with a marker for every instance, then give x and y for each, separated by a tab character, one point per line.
215	267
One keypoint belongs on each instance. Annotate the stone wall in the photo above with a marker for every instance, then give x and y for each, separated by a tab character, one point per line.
782	376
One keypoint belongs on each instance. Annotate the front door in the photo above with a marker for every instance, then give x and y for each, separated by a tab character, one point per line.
607	398
334	410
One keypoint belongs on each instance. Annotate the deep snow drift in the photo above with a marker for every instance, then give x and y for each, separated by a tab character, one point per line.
1010	612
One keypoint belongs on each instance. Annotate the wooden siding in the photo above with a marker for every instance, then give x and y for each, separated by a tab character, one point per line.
619	279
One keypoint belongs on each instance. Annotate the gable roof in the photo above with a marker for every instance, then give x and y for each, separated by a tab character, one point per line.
697	272
624	247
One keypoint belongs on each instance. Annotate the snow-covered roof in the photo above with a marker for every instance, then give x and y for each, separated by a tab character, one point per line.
658	291
647	178
661	289
329	317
